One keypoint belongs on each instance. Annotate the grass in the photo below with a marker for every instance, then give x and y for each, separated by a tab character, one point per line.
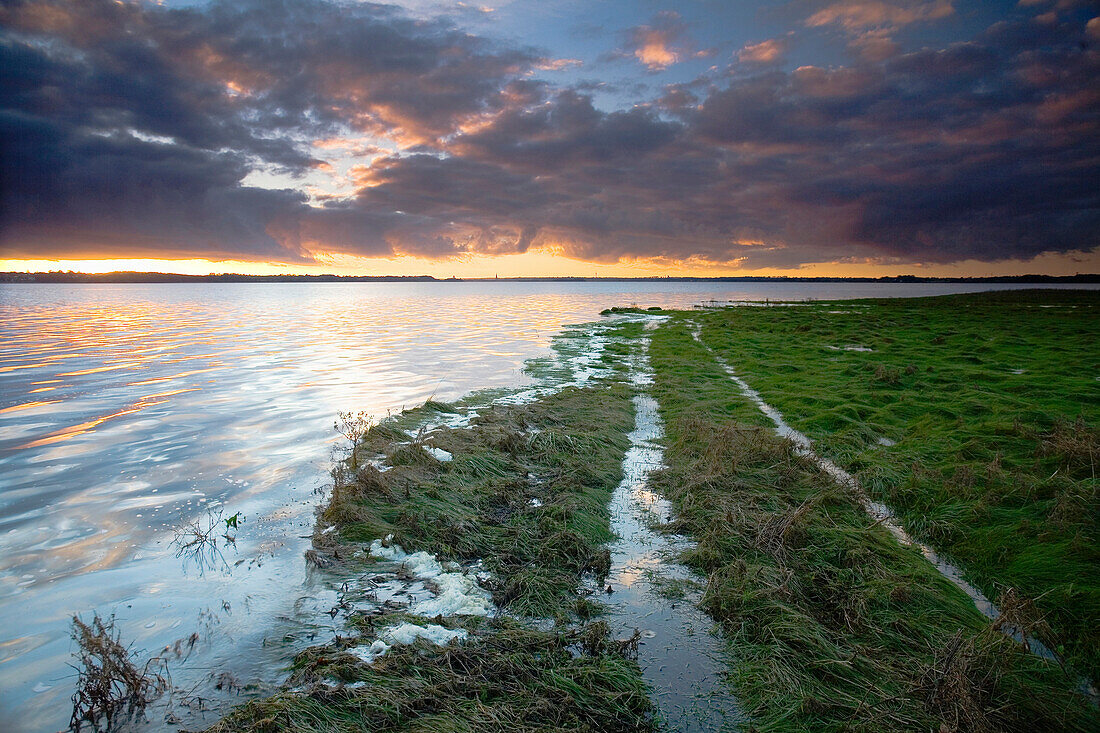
526	492
994	404
510	678
479	505
833	625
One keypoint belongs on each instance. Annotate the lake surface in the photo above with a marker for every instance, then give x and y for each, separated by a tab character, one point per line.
127	411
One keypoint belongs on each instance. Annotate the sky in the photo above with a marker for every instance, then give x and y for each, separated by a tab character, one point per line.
551	137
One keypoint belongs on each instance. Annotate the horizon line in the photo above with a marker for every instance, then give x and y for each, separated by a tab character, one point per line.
154	277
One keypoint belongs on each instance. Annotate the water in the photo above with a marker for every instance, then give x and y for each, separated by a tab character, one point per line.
128	410
680	652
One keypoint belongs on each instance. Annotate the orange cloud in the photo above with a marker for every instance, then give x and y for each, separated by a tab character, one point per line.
654	53
661	44
860	15
764	52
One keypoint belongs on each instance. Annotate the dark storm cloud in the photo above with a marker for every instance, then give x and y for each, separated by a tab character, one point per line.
134	126
984	150
129	127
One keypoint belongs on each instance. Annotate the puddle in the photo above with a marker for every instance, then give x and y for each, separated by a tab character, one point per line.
849	347
681	657
880	512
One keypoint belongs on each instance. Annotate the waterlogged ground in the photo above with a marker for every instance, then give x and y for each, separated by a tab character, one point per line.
681	653
747	579
148	412
561	474
497	508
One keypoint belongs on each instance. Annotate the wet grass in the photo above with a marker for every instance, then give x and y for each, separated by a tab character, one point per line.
562	453
993	401
832	624
507	678
526	492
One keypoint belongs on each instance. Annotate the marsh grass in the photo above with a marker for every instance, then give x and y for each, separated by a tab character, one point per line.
833	624
994	404
527	493
479	505
509	678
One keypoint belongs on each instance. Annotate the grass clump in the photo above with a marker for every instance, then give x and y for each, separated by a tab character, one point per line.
526	492
110	687
993	402
833	625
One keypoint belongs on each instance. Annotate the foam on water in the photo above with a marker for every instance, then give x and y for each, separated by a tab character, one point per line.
457	594
406	633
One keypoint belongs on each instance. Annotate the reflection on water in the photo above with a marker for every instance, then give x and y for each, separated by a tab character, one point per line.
127	411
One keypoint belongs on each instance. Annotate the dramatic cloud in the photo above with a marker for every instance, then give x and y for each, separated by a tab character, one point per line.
139	130
130	126
665	41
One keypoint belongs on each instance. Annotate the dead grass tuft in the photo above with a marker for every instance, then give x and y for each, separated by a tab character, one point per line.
110	686
1075	445
954	687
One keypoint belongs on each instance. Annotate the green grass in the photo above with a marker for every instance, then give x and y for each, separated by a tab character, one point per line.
479	504
832	624
995	468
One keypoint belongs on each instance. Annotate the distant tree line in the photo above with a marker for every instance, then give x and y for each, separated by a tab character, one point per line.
167	277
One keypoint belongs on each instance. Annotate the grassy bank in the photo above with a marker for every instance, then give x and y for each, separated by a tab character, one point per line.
973	416
525	491
993	402
834	626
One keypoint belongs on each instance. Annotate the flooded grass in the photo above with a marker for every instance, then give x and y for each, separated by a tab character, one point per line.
514	508
833	624
975	418
505	678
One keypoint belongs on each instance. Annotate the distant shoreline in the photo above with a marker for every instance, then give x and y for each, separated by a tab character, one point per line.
160	277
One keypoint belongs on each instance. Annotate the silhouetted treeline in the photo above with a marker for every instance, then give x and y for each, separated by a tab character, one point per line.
165	277
169	277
